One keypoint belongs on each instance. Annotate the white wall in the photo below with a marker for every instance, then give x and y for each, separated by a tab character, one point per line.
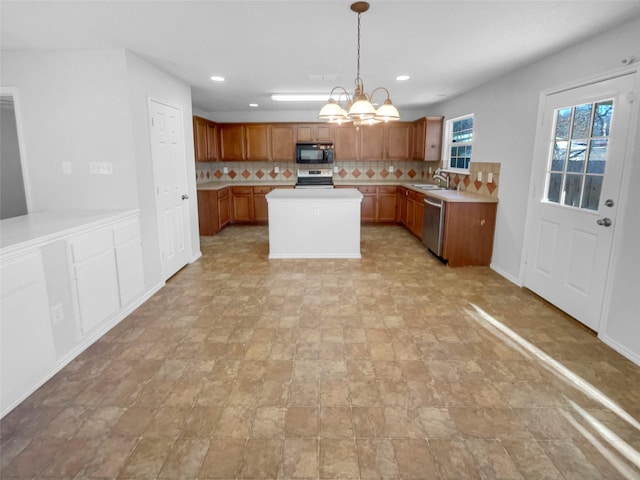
505	125
74	106
146	80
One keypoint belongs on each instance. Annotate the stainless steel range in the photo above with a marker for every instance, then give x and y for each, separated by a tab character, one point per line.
317	178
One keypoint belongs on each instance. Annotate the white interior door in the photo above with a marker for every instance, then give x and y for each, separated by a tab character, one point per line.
578	163
168	151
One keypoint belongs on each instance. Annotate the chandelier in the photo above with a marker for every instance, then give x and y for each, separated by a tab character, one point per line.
359	108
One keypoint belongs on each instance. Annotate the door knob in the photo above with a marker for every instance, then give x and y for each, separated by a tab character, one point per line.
185	197
605	222
609	203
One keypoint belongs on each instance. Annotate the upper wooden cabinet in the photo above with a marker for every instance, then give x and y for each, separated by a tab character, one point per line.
257	141
283	142
346	142
231	141
314	132
372	142
205	133
398	141
427	139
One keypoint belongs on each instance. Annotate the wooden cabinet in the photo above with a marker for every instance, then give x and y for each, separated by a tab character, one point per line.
231	141
368	207
314	132
224	210
372	142
411	210
205	139
387	210
257	139
260	207
242	205
398	141
468	233
427	139
283	142
208	218
345	142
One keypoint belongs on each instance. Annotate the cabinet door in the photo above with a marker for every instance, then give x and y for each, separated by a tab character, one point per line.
387	205
314	132
231	142
411	208
260	206
208	221
468	233
200	138
212	142
242	205
324	132
257	141
283	145
419	136
398	141
368	206
346	142
224	213
128	247
372	142
402	201
418	216
433	141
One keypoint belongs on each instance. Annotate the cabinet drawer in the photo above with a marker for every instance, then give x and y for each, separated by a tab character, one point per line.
241	190
91	244
224	193
367	189
411	194
125	232
391	190
261	190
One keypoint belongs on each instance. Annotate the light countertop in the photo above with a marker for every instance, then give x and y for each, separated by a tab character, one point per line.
314	194
43	227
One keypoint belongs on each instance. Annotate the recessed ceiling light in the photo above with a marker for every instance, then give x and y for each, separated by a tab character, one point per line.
298	97
253	105
217	78
402	78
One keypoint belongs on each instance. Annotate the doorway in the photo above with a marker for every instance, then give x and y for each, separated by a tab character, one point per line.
13	192
577	170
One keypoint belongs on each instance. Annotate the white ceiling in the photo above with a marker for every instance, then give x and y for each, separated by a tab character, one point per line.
265	47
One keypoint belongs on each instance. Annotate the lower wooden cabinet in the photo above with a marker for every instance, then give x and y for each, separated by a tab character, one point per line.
411	210
242	205
224	210
468	233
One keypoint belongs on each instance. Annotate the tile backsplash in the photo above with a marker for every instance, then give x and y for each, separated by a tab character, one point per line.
476	181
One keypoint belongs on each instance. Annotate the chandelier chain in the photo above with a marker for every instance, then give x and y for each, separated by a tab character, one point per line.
358	56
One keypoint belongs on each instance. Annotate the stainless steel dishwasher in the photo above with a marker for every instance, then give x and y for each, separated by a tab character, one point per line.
432	228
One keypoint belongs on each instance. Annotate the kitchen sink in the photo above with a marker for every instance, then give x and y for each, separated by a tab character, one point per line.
427	186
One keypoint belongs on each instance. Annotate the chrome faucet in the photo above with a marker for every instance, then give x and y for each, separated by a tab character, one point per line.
442	176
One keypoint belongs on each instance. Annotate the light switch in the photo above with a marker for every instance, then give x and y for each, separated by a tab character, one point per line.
490	177
479	176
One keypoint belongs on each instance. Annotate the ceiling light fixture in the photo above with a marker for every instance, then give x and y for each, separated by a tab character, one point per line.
217	78
360	110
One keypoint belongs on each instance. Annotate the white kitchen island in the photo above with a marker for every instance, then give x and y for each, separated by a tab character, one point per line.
314	223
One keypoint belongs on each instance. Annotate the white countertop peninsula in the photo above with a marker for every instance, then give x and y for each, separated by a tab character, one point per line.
314	223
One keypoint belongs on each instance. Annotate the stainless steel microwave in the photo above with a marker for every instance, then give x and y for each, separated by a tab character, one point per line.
316	152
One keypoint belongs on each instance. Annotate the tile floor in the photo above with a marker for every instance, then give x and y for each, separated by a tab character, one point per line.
389	367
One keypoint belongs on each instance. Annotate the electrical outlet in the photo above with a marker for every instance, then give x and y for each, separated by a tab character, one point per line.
101	168
490	177
225	169
57	314
479	176
390	169
430	170
276	169
335	169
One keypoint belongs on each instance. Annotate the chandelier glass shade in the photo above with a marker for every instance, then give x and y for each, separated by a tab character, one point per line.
359	108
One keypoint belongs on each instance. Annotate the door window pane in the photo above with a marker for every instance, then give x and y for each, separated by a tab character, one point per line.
602	119
563	122
555	187
591	195
572	190
582	121
559	155
597	156
577	155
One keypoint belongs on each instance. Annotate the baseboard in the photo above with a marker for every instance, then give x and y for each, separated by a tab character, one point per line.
621	349
506	275
85	343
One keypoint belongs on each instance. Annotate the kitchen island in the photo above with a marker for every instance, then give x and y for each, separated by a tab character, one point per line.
314	223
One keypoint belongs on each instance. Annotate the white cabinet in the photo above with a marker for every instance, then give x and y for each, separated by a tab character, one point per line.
27	348
107	271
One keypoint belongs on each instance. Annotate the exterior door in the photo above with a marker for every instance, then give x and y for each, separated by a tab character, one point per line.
168	151
578	163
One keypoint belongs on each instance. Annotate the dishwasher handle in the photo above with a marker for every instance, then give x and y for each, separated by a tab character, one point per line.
438	205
